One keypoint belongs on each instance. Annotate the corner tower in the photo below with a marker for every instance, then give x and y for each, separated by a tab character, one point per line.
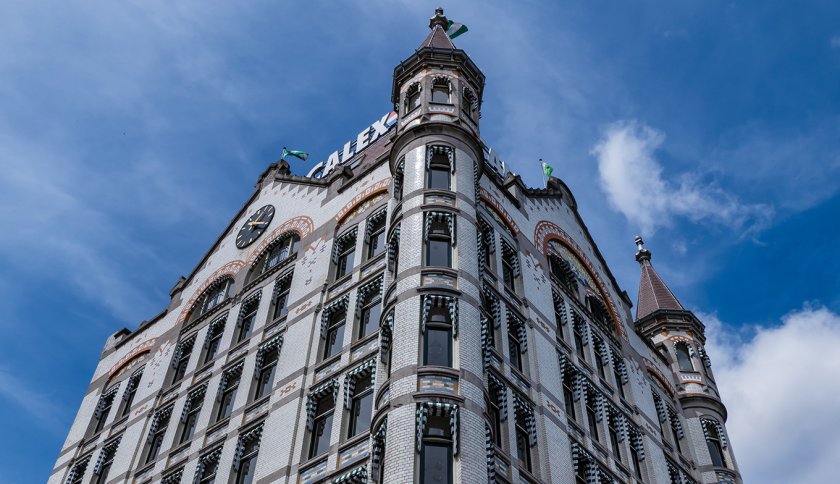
435	372
679	336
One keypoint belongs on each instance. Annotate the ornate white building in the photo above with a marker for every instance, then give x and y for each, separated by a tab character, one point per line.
408	312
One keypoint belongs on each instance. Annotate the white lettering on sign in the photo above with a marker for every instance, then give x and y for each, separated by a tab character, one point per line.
492	160
354	147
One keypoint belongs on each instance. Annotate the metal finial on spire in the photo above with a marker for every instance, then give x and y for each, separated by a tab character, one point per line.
439	19
641	253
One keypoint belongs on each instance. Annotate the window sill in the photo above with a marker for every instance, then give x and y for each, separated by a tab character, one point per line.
341	280
327	362
364	341
143	470
217	425
367	264
267	274
256	403
180	448
314	461
361	436
239	346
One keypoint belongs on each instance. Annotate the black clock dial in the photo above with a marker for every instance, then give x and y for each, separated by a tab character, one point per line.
254	226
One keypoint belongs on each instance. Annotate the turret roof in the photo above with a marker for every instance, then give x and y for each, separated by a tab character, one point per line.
653	293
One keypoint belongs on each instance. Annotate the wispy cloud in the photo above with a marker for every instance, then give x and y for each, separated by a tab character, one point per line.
636	186
834	41
781	390
45	412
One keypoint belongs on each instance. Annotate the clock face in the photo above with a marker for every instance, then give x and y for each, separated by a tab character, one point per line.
254	227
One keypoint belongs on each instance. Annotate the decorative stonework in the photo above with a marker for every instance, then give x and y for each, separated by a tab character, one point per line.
131	359
231	269
547	232
303	226
363	200
499	211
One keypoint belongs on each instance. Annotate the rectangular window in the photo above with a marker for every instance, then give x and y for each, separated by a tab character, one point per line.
523	448
599	358
334	340
156	439
214	341
361	408
130	393
105	466
486	239
496	420
322	426
438	176
369	322
578	337
246	325
507	273
515	351
265	379
637	464
568	395
208	473
105	408
281	298
183	359
248	463
619	381
345	255
436	455
590	415
227	399
616	446
438	338
188	427
376	236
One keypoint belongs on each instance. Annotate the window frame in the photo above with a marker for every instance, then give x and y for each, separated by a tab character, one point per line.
191	422
230	391
444	326
356	402
445	441
368	307
438	234
335	327
264	381
326	420
248	459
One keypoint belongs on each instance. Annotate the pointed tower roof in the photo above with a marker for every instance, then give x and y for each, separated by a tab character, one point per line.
437	38
653	293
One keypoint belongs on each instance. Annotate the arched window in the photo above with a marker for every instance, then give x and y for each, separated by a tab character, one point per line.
600	314
441	87
683	356
562	271
281	250
213	296
412	97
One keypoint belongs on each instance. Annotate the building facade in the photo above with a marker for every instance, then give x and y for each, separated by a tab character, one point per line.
408	312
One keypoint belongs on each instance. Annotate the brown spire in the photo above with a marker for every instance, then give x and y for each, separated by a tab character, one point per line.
437	38
653	293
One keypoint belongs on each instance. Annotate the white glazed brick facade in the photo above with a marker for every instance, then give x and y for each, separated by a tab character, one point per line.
321	210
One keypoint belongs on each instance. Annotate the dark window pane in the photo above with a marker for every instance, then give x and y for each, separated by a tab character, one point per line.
335	340
370	320
377	244
523	449
515	352
265	381
226	405
438	178
247	326
439	253
436	463
321	435
361	413
440	94
683	358
438	346
245	473
345	263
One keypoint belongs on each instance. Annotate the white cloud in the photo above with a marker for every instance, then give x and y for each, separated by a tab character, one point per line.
40	406
634	183
782	390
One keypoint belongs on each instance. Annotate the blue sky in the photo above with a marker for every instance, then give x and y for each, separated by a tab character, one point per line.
130	133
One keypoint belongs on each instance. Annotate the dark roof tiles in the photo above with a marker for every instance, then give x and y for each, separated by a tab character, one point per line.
653	293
